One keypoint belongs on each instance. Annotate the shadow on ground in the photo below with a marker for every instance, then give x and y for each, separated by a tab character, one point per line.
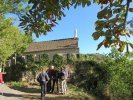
33	93
11	95
37	97
26	89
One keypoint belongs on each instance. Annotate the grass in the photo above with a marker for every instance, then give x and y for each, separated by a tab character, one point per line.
76	91
17	84
73	91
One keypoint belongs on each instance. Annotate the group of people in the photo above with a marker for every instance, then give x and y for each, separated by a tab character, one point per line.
49	78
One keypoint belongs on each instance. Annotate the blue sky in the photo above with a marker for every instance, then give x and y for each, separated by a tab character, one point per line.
83	20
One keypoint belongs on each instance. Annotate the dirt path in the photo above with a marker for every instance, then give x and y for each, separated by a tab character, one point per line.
13	93
10	94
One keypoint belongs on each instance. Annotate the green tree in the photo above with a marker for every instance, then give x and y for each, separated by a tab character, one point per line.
71	58
11	40
119	74
115	54
31	63
110	77
7	31
40	16
91	76
13	6
44	60
111	23
58	60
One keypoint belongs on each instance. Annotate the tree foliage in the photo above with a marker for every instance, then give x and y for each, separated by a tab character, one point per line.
44	15
58	60
119	67
111	22
11	39
111	77
13	6
44	60
40	16
31	63
71	58
90	74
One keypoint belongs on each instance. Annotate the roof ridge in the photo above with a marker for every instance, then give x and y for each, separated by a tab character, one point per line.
53	44
55	40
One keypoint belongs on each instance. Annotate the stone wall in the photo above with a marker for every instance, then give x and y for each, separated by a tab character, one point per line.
29	76
53	52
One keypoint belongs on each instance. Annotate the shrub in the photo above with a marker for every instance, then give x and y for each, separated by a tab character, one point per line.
119	78
88	75
30	58
44	60
17	69
71	58
58	60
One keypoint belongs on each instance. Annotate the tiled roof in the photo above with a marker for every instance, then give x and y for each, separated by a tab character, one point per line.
53	45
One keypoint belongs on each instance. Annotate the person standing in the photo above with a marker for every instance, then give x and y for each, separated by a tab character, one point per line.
55	81
66	74
43	78
1	82
62	82
1	77
50	72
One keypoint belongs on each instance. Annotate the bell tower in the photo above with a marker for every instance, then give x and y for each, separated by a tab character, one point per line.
75	33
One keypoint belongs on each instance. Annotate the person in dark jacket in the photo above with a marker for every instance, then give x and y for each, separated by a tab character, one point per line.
43	78
55	81
50	72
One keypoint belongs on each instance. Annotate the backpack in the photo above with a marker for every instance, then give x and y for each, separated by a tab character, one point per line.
39	78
